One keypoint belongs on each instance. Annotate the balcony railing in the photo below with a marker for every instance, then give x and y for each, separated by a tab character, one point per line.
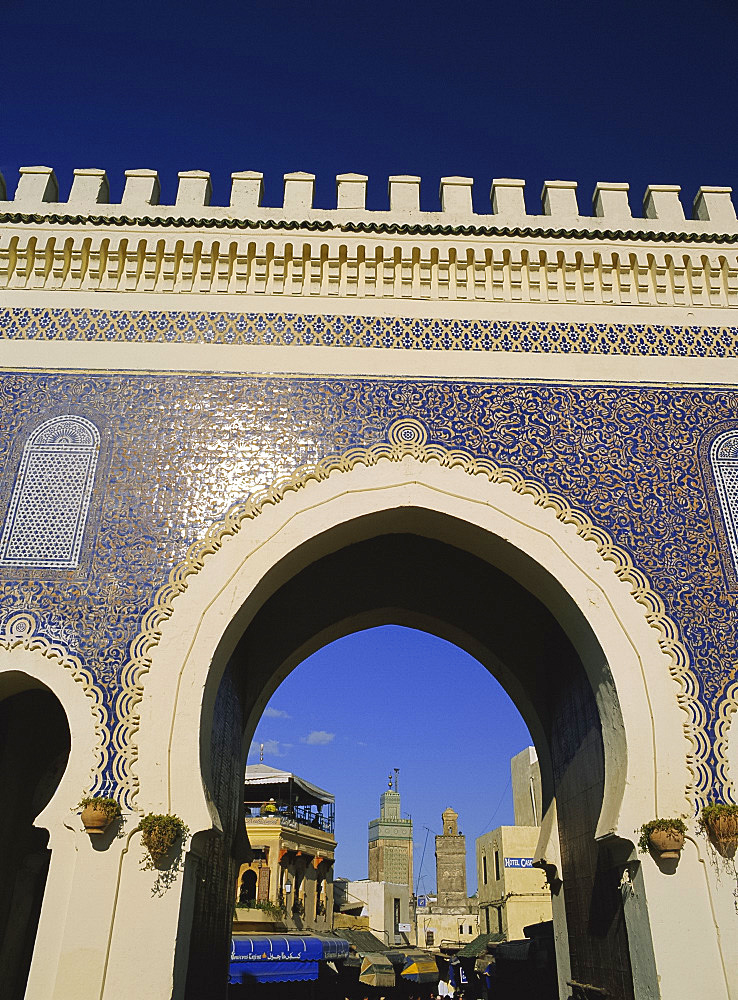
290	815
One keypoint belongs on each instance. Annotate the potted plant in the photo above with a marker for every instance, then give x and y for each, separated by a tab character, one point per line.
720	822
98	812
665	837
159	834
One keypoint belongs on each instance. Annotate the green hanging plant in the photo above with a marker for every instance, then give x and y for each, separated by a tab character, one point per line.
664	836
98	812
719	820
159	834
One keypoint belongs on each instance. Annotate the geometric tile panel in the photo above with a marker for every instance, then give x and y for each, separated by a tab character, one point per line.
400	333
46	518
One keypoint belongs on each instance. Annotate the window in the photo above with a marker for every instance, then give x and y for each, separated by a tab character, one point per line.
484	869
430	939
497	865
247	890
499	919
533	801
724	462
46	519
486	919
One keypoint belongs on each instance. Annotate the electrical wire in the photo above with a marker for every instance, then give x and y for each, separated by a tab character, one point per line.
488	824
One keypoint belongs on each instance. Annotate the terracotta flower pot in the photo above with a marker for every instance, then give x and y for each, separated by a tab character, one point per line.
666	843
95	820
723	832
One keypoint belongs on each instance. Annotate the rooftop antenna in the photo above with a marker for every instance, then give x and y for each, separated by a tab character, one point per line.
397	775
261	753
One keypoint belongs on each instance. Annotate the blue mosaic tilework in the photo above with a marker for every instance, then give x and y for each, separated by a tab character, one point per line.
183	448
285	330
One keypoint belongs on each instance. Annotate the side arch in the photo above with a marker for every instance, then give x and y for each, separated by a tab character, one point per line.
28	666
28	661
604	604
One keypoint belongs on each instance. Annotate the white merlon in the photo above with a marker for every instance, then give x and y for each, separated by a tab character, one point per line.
36	186
456	195
298	191
89	188
661	202
195	189
610	202
713	210
404	193
713	204
247	189
508	199
560	198
351	190
142	188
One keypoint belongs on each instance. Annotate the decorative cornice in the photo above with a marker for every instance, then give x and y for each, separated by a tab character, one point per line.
407	438
323	260
559	256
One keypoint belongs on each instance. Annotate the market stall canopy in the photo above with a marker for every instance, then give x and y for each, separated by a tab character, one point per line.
377	970
271	958
361	944
260	778
480	945
415	966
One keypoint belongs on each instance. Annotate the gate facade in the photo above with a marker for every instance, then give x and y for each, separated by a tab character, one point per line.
231	430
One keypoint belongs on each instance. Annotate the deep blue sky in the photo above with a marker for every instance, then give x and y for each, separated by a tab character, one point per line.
395	697
638	91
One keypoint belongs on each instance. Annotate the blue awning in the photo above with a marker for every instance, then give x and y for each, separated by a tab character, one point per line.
270	958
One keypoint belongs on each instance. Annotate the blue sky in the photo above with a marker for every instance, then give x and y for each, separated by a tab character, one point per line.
575	90
395	697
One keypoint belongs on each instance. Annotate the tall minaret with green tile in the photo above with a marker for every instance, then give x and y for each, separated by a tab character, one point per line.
391	841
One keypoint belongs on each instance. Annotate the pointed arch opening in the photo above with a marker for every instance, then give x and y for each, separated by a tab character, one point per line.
484	567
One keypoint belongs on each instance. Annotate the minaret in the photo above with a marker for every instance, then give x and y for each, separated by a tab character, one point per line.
451	863
391	841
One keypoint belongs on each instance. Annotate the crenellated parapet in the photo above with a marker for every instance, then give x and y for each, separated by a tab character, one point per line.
38	191
557	255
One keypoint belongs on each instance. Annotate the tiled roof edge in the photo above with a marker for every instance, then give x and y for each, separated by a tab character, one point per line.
378	228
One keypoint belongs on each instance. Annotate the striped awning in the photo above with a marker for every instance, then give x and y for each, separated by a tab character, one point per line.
415	966
269	958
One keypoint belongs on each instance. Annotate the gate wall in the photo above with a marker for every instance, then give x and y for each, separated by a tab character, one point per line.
226	355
